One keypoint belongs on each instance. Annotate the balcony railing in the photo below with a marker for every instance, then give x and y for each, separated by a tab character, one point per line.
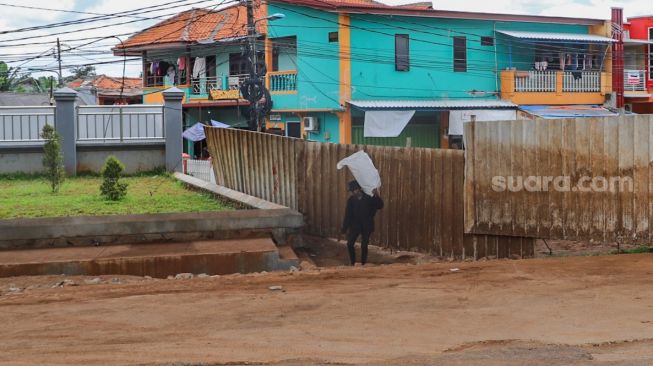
535	81
635	80
154	81
204	85
581	82
546	81
555	87
283	81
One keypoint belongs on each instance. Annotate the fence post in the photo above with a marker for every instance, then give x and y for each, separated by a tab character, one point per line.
172	119
66	126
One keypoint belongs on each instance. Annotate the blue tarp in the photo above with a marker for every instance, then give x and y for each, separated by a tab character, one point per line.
196	131
567	111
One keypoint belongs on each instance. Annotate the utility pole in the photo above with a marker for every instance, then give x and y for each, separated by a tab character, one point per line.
253	89
51	87
59	60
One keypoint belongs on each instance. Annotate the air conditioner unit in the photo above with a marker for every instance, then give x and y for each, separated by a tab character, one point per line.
311	124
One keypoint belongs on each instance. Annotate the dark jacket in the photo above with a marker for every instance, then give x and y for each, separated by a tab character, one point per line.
359	214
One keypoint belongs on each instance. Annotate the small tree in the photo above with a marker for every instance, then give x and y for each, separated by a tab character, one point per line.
52	157
111	188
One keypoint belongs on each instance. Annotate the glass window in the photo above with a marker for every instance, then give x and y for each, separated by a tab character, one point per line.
460	54
402	60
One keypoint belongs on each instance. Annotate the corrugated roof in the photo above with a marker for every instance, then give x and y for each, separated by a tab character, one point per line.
552	36
633	41
431	104
567	111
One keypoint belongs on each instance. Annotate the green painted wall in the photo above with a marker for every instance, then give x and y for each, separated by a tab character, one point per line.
317	60
329	126
431	74
423	130
420	136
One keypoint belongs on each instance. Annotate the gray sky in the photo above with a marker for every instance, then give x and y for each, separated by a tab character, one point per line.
21	49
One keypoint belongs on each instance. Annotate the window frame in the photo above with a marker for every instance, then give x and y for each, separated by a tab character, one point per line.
459	64
337	39
402	61
487	41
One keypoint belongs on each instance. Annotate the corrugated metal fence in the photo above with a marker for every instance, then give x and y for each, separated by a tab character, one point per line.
575	179
422	189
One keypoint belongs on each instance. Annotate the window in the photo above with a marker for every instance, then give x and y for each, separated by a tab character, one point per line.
402	61
487	41
284	53
333	36
237	64
459	54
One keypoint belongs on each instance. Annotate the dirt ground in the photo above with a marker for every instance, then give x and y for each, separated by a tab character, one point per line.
548	311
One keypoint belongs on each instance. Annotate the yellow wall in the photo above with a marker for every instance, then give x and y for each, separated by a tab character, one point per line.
153	96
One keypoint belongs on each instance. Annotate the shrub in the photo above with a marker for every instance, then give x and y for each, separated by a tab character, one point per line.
52	157
111	188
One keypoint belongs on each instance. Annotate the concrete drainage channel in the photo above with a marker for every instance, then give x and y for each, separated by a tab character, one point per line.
156	245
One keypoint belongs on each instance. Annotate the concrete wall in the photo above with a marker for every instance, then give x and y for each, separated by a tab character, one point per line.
21	159
132	229
90	158
137	157
138	140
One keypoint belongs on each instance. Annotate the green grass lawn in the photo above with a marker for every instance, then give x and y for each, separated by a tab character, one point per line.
31	197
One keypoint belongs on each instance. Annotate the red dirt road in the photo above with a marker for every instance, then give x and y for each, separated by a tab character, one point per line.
555	311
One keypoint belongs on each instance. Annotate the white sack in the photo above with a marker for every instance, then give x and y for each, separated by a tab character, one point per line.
458	117
386	123
363	170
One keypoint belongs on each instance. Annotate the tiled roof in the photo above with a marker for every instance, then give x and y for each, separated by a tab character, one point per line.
103	82
196	25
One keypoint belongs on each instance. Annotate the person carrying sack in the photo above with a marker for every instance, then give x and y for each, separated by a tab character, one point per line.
359	219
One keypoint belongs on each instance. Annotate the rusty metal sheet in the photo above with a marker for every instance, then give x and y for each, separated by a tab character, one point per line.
422	188
581	179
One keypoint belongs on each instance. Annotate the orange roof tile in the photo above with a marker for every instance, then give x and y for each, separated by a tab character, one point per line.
107	82
195	25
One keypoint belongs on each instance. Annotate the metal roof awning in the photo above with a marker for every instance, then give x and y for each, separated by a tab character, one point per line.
567	111
636	42
558	37
431	104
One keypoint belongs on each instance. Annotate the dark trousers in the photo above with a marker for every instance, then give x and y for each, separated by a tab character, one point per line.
352	235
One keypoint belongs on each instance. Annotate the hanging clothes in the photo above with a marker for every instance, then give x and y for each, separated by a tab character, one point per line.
563	59
181	63
171	75
199	67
